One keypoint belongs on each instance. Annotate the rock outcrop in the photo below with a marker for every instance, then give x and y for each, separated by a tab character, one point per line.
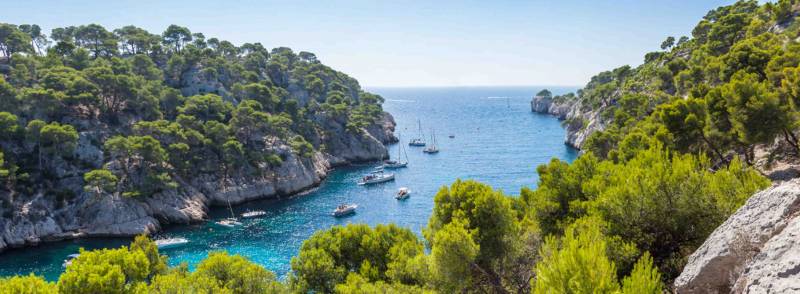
43	218
580	122
757	250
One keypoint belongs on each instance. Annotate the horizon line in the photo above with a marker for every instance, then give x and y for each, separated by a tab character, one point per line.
469	86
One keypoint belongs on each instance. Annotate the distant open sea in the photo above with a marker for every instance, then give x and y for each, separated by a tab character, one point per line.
497	140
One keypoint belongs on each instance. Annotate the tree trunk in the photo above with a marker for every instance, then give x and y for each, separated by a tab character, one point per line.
494	280
791	139
714	148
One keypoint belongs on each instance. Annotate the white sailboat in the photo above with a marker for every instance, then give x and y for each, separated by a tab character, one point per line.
376	177
229	222
418	141
432	148
397	163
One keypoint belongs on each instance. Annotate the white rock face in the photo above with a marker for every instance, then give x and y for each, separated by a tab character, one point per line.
757	250
776	269
581	123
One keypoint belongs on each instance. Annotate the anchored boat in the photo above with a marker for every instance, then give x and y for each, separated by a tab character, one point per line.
228	222
397	163
171	242
432	148
344	210
376	177
418	141
254	214
69	259
403	193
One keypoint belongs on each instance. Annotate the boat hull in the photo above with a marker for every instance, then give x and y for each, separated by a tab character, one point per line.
377	181
395	165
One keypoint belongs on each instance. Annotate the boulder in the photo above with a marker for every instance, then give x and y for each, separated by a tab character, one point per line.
753	251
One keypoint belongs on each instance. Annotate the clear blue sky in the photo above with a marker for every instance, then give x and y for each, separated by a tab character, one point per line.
413	43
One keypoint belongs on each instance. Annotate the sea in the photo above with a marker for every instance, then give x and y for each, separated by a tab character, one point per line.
487	134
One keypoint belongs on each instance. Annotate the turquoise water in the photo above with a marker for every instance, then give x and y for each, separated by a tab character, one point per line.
497	141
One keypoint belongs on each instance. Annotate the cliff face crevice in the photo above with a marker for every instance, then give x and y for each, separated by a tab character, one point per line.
43	219
757	250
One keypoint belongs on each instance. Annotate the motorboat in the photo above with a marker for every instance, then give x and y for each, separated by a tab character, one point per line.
254	214
229	222
403	193
344	210
70	258
451	136
171	242
376	177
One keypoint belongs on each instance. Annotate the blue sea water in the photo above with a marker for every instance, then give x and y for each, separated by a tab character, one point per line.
497	140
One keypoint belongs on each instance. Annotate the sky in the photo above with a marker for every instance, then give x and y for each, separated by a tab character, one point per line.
413	43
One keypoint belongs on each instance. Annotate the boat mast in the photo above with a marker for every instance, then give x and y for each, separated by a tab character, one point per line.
419	125
230	207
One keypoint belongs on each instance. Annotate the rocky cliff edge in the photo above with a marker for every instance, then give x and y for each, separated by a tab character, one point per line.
39	219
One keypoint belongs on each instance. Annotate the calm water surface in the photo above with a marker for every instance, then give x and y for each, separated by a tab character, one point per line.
497	141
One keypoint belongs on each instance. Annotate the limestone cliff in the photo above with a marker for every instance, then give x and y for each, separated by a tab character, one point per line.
40	218
757	250
580	122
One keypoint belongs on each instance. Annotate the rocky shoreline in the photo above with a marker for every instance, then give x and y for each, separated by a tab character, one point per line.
579	122
41	220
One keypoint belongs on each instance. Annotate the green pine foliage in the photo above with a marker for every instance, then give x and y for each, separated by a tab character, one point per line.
675	160
162	106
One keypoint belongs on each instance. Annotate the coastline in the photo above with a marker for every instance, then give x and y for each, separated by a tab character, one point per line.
112	217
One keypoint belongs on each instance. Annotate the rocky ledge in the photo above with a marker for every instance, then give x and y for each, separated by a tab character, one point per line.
757	250
41	219
579	122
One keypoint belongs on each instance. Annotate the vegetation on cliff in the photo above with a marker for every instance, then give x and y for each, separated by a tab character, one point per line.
162	108
731	87
674	161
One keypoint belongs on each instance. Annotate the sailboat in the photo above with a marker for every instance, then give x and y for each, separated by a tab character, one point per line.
397	163
432	148
229	222
418	141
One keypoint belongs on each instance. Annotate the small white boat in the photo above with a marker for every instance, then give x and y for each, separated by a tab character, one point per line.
376	177
171	242
228	222
344	210
403	193
254	214
69	259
